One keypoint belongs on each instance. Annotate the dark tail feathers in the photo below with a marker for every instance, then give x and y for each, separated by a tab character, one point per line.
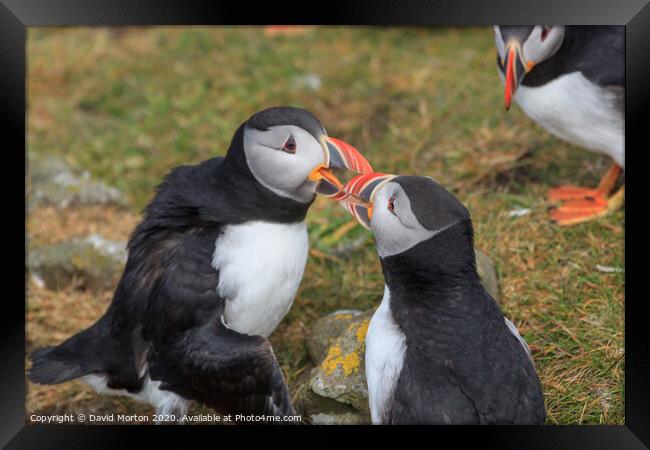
54	365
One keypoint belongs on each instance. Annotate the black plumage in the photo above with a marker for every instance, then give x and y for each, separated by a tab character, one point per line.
462	365
166	313
217	366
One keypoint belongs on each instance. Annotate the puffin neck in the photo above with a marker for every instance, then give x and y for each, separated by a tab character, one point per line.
238	184
436	265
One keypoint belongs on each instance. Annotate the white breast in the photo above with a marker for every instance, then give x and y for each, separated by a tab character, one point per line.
260	267
385	351
578	111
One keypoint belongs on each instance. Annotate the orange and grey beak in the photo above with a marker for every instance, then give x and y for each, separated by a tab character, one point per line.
360	195
515	68
338	154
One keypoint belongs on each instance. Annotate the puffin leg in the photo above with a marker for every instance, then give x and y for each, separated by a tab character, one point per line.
572	212
606	184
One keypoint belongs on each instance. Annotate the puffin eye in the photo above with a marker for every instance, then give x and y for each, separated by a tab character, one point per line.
391	205
290	146
545	31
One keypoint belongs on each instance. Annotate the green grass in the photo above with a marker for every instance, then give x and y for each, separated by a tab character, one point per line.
130	105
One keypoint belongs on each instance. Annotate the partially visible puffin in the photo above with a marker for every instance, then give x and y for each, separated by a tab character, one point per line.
212	270
571	81
438	348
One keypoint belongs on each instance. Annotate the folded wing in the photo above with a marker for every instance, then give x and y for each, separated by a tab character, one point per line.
231	372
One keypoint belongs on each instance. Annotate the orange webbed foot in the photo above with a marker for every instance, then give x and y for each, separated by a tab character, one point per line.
564	193
578	204
572	212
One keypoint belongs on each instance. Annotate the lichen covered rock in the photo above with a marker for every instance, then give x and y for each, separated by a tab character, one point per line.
325	331
341	373
318	410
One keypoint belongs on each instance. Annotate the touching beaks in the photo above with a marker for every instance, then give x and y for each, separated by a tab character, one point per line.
338	154
360	193
515	68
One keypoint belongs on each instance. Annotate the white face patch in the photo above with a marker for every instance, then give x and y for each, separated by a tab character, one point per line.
537	49
260	266
283	172
395	232
385	352
574	109
501	46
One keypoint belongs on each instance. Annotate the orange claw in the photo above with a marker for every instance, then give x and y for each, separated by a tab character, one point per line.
563	193
577	211
607	183
572	212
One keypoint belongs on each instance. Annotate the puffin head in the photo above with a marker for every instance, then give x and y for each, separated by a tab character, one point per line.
288	151
402	211
520	48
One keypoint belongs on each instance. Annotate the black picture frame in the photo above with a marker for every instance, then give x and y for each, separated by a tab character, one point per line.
16	15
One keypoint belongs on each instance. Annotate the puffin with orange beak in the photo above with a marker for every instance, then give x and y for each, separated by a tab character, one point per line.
438	349
571	81
212	269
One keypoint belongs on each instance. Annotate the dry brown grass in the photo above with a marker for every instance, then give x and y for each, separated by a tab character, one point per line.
49	225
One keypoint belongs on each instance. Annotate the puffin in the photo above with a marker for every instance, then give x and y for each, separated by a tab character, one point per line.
212	269
571	81
438	348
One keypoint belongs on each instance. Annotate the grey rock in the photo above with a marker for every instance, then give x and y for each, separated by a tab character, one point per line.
325	331
53	182
341	374
319	410
488	274
351	418
94	261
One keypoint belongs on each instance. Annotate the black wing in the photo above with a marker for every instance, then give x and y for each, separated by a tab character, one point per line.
467	369
603	53
500	378
231	372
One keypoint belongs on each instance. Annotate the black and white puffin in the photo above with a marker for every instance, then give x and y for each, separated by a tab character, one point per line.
438	348
212	269
571	81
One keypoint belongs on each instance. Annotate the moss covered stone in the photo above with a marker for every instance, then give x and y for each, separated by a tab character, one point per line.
52	182
94	262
